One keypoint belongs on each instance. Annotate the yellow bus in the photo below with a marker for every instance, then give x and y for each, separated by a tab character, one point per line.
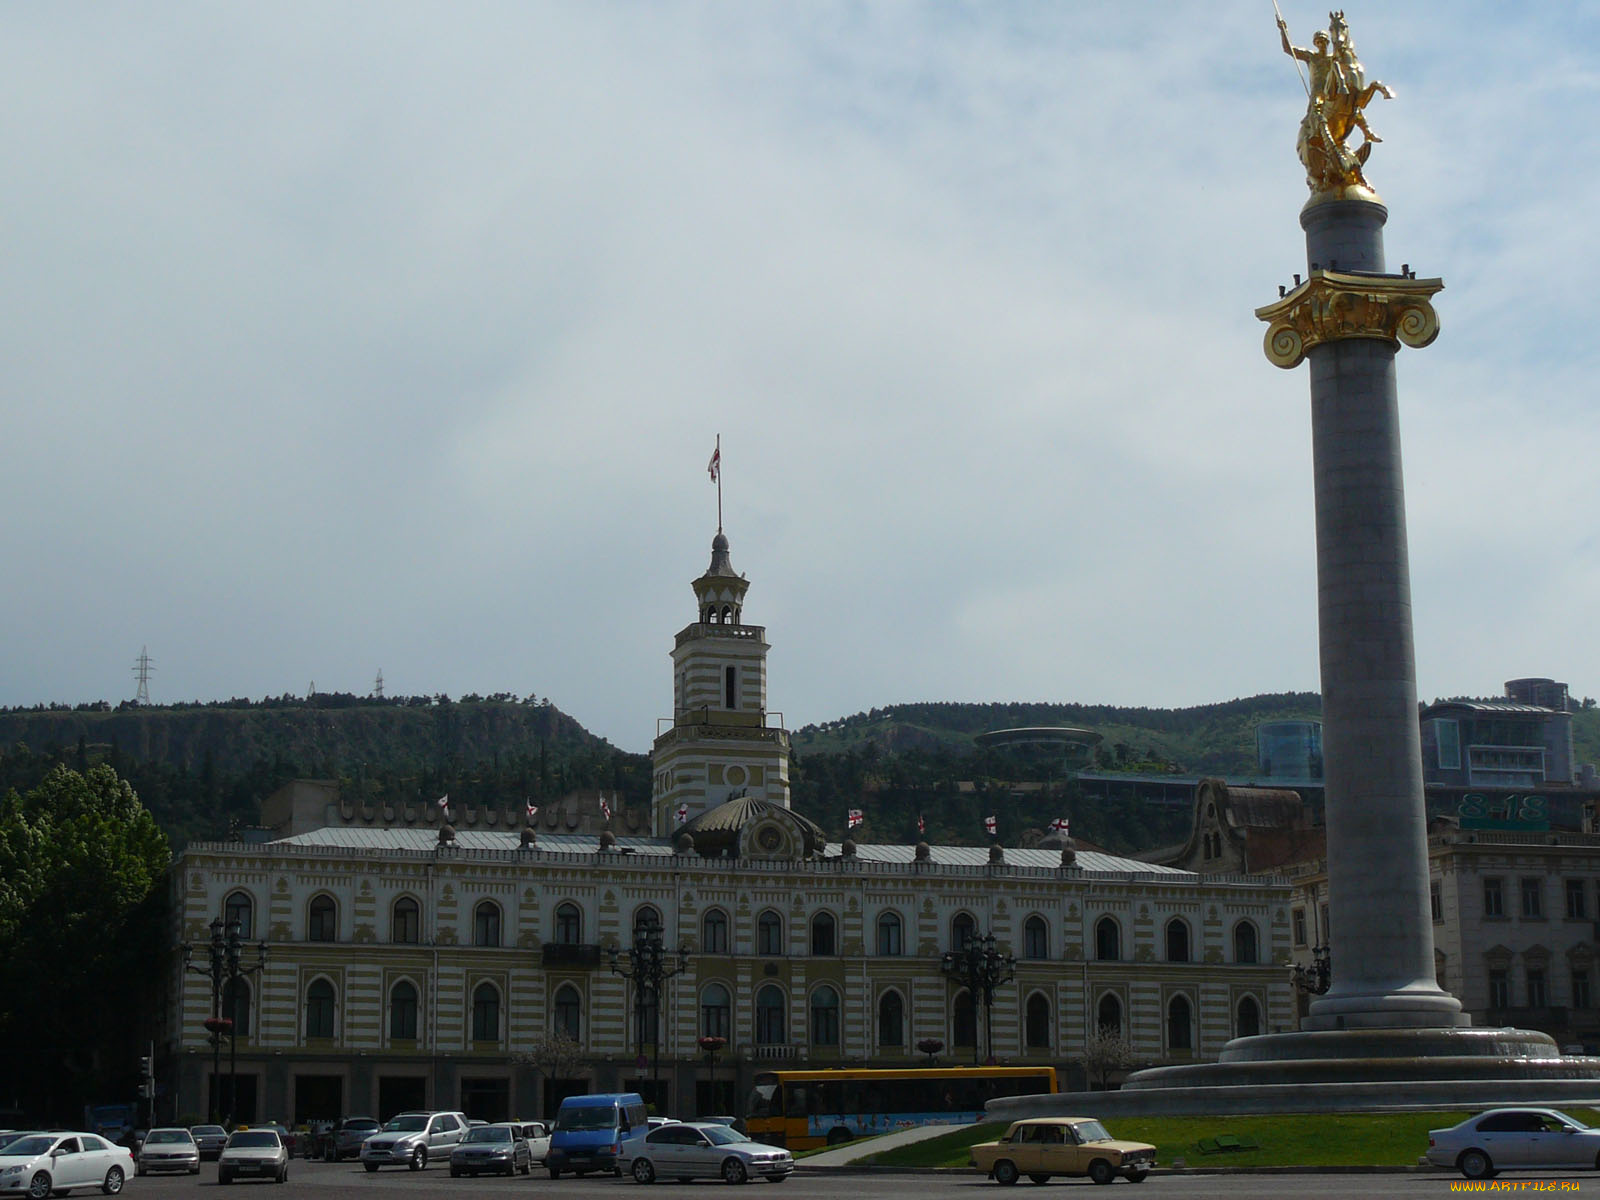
802	1109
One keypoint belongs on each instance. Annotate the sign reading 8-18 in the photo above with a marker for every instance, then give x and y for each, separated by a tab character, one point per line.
1510	811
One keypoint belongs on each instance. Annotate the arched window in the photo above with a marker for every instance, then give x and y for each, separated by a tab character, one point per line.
406	924
486	1013
890	941
891	1020
1248	1023
647	917
1180	1023
566	1014
1108	1014
964	1021
771	1028
824	1017
237	1006
238	909
769	933
486	924
714	932
403	1012
963	929
1037	1024
1107	940
1244	942
319	1009
1177	940
822	939
1035	938
323	925
569	924
715	1012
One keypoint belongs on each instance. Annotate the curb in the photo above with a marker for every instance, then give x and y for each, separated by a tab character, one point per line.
852	1169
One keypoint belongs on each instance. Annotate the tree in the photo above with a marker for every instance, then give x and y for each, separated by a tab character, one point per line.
555	1056
1105	1051
82	873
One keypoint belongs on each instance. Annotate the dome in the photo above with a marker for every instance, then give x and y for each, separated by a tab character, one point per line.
716	831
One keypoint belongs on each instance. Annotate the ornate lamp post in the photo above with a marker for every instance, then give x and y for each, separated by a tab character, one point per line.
648	965
1314	977
981	968
710	1044
224	966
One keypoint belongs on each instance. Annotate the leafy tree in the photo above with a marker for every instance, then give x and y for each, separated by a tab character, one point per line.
82	871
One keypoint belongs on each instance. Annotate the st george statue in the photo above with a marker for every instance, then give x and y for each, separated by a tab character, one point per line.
1337	94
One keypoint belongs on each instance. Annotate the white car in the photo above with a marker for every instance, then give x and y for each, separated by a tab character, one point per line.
1519	1138
695	1149
260	1152
46	1164
171	1149
537	1135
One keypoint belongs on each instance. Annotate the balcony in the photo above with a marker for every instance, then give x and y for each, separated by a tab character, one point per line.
570	956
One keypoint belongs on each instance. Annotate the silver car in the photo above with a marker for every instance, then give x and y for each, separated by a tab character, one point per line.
171	1149
1518	1138
700	1150
499	1148
258	1153
210	1138
412	1138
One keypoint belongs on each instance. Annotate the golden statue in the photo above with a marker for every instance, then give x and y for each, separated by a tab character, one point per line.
1337	94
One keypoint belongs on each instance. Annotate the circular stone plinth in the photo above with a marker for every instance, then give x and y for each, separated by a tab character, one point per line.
1391	1043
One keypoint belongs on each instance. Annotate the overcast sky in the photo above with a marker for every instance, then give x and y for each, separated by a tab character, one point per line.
356	336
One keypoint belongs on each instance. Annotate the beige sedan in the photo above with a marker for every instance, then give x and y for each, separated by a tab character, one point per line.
1044	1146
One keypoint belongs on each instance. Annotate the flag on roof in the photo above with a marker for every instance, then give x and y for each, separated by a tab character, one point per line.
443	804
990	824
854	818
1059	825
533	810
605	809
714	467
683	813
922	824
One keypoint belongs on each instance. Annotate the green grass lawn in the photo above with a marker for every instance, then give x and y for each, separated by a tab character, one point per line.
1300	1140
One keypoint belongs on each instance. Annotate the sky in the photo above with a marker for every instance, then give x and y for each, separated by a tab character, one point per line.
339	338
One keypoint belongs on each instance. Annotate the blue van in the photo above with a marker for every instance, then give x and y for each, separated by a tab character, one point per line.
590	1131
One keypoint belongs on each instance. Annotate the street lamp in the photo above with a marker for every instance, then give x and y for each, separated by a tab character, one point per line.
981	968
711	1044
1315	977
648	966
224	964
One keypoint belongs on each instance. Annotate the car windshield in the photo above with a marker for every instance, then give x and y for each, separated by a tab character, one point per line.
587	1117
721	1135
408	1123
361	1124
27	1147
252	1138
1092	1131
160	1136
208	1131
488	1133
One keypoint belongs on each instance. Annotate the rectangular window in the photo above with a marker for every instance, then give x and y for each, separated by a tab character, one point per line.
1435	903
1499	990
1532	897
1494	900
1580	989
1537	995
1447	734
1299	927
1577	905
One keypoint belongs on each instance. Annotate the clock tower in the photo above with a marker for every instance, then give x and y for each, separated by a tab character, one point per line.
720	746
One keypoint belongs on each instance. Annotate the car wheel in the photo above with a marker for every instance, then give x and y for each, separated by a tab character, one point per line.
455	1172
112	1184
1038	1179
1100	1171
526	1168
195	1170
1005	1171
370	1166
138	1169
511	1170
330	1155
39	1186
643	1172
419	1158
1475	1164
283	1175
733	1171
555	1172
1136	1176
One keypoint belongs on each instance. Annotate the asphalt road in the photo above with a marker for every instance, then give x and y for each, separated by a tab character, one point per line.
329	1181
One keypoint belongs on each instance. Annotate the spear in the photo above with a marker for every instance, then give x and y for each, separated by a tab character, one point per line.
1284	27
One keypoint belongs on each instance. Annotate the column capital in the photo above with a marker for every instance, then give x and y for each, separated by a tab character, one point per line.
1334	306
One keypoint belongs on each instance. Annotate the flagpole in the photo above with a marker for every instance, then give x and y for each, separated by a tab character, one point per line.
719	482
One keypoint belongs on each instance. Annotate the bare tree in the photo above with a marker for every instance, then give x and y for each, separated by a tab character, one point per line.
1105	1051
557	1055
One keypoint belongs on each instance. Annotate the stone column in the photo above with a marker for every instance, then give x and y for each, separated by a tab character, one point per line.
1347	319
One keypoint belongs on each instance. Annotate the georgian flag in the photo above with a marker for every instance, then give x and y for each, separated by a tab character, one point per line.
443	803
683	813
854	817
605	809
1059	825
990	824
922	824
714	467
533	810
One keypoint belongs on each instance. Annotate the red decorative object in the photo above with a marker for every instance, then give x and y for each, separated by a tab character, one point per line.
712	1044
930	1045
219	1025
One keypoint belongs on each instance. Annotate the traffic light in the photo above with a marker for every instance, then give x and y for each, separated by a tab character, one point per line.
144	1067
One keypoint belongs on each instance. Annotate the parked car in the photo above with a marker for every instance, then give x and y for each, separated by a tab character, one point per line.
1041	1147
499	1148
259	1150
703	1149
410	1139
1481	1146
39	1165
591	1130
290	1139
537	1135
730	1122
210	1139
344	1139
170	1149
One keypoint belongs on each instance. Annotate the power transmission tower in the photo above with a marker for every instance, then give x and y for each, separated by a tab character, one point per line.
142	670
377	685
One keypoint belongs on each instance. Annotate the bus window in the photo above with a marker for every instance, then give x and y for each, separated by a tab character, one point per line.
762	1098
794	1100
